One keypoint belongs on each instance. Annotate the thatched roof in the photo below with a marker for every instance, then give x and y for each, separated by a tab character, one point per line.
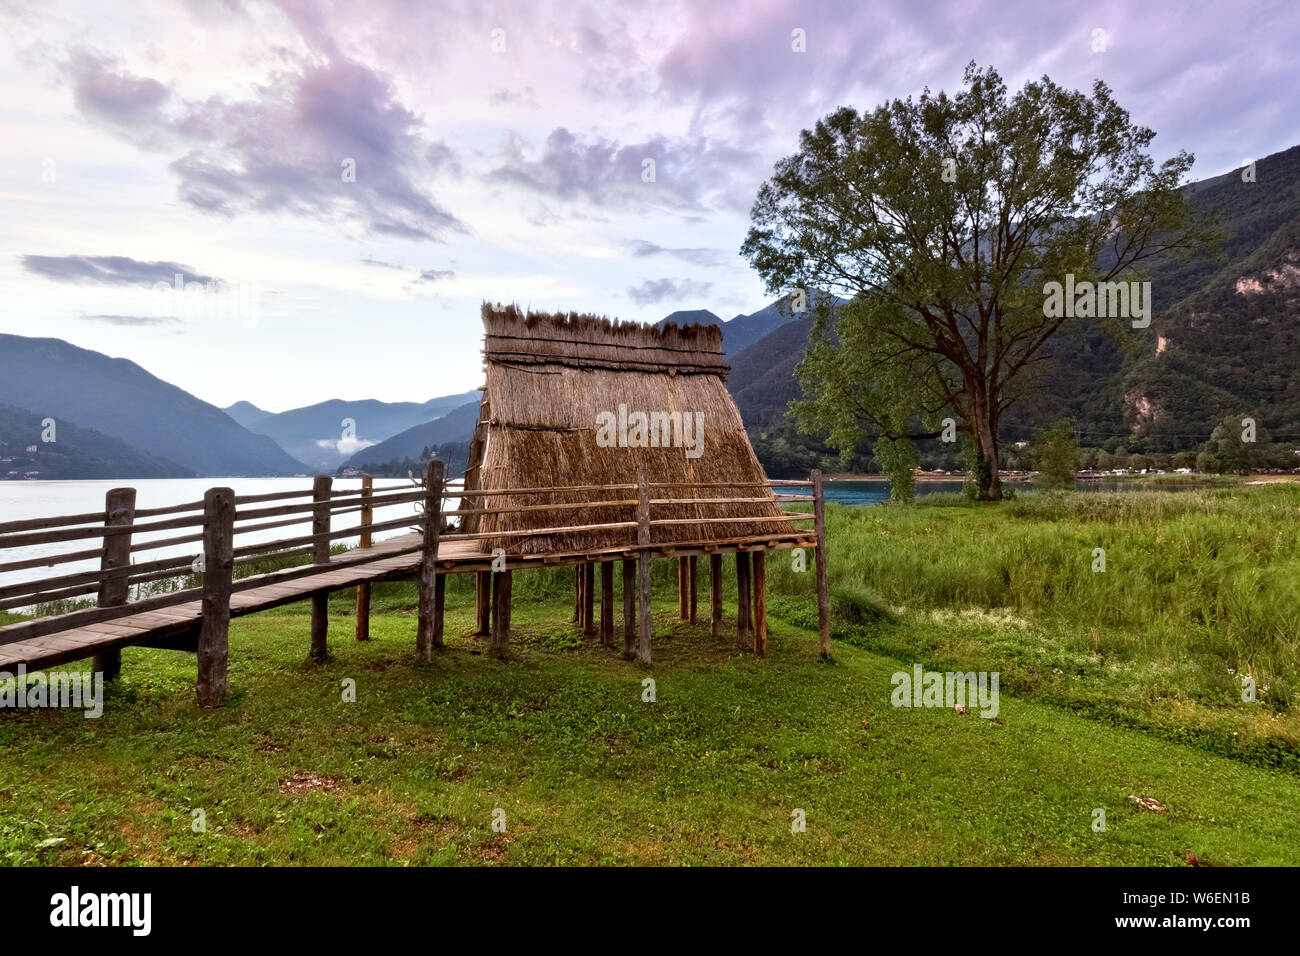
552	380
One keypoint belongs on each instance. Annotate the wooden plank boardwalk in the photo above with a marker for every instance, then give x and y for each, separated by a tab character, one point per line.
197	620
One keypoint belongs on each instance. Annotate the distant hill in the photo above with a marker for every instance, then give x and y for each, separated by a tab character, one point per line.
743	331
455	426
314	434
247	414
120	399
74	453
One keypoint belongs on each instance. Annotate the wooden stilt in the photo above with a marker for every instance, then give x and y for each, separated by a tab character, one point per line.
119	510
320	525
760	603
691	571
218	577
428	630
629	607
363	590
743	598
643	569
482	603
607	603
439	605
501	614
589	599
823	595
715	593
577	595
681	588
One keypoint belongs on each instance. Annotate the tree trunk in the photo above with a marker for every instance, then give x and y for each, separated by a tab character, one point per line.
985	430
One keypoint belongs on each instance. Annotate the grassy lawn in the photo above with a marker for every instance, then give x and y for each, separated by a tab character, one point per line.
588	773
1112	685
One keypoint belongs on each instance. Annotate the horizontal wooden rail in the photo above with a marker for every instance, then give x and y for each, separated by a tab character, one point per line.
103	531
755	519
50	560
169	510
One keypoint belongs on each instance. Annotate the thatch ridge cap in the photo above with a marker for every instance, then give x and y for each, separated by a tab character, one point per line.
589	329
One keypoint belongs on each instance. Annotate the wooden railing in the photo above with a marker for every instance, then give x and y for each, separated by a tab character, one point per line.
215	525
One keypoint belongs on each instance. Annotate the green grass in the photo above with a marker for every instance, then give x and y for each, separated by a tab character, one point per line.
1200	588
1111	686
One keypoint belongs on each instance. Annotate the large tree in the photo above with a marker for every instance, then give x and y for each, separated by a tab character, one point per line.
941	219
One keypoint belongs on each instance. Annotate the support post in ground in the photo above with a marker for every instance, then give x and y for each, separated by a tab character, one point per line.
218	578
119	511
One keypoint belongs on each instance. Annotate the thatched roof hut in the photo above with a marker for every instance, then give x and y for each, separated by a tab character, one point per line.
579	400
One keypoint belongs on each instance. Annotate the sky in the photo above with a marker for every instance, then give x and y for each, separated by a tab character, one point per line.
340	185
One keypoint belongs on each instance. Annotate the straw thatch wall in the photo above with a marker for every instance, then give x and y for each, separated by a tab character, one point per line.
548	380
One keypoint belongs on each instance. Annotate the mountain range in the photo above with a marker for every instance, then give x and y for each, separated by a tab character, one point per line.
327	434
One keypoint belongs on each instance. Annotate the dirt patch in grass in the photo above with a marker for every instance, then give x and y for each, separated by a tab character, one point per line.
304	782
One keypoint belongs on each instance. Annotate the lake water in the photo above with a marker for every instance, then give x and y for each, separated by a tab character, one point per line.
874	492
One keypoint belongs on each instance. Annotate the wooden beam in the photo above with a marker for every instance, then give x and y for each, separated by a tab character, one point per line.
119	511
483	603
743	598
715	593
823	595
691	572
363	589
760	603
643	570
607	603
588	599
629	607
218	575
428	632
501	614
320	525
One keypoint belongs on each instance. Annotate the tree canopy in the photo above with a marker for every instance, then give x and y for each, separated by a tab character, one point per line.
942	219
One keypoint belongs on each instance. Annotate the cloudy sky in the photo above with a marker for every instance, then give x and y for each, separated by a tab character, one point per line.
340	184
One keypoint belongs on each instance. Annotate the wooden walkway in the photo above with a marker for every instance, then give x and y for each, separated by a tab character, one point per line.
196	620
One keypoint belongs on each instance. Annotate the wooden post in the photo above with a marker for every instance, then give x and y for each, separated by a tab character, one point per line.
681	588
823	596
715	593
483	603
629	607
218	576
588	599
501	614
363	589
760	603
643	570
743	597
119	511
320	524
607	603
428	631
691	571
577	595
